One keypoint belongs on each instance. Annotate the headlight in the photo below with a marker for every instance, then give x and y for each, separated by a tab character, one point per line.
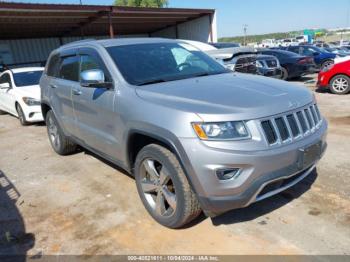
31	101
259	64
221	130
231	66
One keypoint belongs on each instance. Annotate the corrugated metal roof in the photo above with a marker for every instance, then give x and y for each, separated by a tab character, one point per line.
22	20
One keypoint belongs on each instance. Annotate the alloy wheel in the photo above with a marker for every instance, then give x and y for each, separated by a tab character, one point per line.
53	133
158	188
340	84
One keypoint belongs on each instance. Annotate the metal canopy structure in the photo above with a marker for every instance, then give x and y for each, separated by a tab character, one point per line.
22	20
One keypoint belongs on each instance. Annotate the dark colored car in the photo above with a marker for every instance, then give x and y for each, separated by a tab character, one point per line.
292	64
269	66
322	57
225	45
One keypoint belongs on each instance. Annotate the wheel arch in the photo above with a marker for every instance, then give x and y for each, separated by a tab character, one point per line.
336	75
170	142
44	109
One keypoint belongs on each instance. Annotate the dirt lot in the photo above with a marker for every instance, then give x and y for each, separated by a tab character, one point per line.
82	205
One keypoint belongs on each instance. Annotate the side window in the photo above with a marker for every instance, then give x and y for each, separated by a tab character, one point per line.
5	78
54	66
69	68
89	62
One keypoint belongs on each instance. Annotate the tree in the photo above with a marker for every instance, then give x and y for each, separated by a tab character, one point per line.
142	3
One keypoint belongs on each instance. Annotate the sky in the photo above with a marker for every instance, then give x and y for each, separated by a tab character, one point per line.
261	16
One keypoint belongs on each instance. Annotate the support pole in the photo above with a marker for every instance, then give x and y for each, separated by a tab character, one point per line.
111	30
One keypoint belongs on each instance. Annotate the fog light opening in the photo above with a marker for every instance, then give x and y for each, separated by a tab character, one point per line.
31	115
227	174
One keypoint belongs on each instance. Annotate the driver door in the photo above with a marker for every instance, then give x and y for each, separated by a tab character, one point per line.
97	121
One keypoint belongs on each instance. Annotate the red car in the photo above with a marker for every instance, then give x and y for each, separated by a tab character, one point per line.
336	77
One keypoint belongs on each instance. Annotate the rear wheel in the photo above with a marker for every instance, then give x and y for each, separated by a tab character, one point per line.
340	85
164	188
21	116
59	142
285	74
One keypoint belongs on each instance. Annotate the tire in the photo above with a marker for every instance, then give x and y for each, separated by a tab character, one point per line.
340	85
163	187
21	116
61	144
327	63
285	74
2	112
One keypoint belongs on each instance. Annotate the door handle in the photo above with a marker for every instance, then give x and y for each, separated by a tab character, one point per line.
53	86
77	92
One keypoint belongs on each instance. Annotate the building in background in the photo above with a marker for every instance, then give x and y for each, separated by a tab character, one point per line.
29	32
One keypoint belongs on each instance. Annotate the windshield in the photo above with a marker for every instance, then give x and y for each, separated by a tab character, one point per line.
143	64
27	78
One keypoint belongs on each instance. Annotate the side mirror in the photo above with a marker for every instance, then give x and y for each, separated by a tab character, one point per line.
5	86
93	78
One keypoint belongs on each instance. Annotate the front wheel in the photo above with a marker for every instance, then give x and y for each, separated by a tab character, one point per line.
340	85
59	142
164	188
21	116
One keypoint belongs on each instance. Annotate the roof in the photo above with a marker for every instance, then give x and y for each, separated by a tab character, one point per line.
119	41
24	20
26	69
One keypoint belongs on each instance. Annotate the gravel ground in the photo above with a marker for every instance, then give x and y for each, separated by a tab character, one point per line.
80	204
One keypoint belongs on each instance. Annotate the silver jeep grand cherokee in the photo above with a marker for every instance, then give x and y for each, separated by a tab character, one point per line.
194	135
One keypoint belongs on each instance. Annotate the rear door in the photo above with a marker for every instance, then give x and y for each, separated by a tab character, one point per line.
94	109
62	84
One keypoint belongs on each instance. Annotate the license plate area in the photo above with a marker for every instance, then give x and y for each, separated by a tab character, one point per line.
309	155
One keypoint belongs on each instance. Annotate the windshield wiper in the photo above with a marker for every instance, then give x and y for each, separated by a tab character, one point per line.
155	81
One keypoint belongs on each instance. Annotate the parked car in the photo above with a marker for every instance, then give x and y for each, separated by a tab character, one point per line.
225	45
337	51
200	45
321	57
238	59
268	66
193	134
336	78
268	43
289	42
20	94
292	64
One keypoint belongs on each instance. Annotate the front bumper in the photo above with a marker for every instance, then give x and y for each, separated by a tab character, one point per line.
258	169
270	72
33	113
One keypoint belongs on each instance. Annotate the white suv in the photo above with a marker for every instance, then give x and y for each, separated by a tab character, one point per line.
20	94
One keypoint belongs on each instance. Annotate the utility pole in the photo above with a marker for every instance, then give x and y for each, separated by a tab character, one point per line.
245	28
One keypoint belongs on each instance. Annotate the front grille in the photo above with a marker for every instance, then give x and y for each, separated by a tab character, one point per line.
246	64
271	63
269	131
292	125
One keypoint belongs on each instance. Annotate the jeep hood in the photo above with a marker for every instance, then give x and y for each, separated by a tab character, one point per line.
233	96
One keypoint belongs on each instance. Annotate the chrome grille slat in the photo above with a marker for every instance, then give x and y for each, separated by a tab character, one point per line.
292	126
313	111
